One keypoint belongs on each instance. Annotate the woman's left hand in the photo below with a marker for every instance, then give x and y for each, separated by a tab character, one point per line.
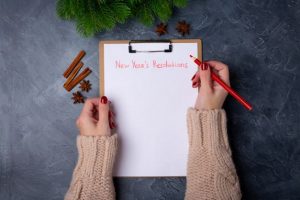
96	119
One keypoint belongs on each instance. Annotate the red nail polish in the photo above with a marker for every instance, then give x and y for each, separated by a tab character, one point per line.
194	84
202	66
104	100
206	66
113	125
193	77
94	110
111	113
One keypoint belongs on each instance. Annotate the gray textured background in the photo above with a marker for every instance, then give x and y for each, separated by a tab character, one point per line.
258	39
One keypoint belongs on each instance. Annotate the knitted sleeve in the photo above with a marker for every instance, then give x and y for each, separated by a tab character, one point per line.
92	176
210	172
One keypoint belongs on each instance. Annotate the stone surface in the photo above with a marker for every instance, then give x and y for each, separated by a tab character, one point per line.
259	40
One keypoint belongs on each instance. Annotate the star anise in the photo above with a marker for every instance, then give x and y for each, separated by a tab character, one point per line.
78	98
183	28
161	29
85	86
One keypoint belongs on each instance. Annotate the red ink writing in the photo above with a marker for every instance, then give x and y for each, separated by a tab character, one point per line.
135	64
168	64
154	64
121	65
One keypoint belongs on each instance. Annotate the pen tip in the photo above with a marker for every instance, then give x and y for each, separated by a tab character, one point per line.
191	56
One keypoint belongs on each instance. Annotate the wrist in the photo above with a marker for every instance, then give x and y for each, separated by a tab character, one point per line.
208	106
100	130
209	102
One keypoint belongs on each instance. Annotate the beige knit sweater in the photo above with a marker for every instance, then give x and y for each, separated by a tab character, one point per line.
210	172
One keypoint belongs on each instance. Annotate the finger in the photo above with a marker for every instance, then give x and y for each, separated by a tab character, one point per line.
196	76
86	116
95	113
88	106
111	113
110	118
112	123
103	110
221	69
196	84
205	77
196	80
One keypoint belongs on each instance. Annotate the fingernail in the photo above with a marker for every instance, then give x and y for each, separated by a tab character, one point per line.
206	66
104	100
94	110
111	114
202	66
194	84
193	77
113	125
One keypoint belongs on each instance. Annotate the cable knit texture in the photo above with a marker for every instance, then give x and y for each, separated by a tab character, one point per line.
210	173
92	176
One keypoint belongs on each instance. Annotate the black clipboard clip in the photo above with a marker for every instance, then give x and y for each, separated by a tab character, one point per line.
131	50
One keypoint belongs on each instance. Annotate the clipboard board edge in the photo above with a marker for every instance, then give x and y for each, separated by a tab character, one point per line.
101	68
198	40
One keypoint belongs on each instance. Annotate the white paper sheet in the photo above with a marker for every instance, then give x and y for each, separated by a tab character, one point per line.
150	93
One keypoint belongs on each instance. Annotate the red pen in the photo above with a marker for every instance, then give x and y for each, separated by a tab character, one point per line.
225	86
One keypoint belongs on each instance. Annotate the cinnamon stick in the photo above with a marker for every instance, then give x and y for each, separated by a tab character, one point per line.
74	63
79	78
74	73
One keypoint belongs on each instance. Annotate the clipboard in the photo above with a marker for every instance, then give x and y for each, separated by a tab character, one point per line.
159	164
130	49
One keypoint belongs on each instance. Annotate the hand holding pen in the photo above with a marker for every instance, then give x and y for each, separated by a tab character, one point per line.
215	84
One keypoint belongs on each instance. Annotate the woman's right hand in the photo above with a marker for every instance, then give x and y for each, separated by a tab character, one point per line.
211	95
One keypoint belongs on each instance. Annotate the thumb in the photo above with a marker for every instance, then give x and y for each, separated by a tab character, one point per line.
103	112
205	77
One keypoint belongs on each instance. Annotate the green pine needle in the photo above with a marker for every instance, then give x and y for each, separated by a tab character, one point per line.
93	16
180	3
65	9
145	15
162	9
121	11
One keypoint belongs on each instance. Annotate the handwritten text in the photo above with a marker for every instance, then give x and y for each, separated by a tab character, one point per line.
150	64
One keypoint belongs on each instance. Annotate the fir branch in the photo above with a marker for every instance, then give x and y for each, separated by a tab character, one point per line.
93	16
145	15
180	3
162	9
66	9
121	11
101	2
